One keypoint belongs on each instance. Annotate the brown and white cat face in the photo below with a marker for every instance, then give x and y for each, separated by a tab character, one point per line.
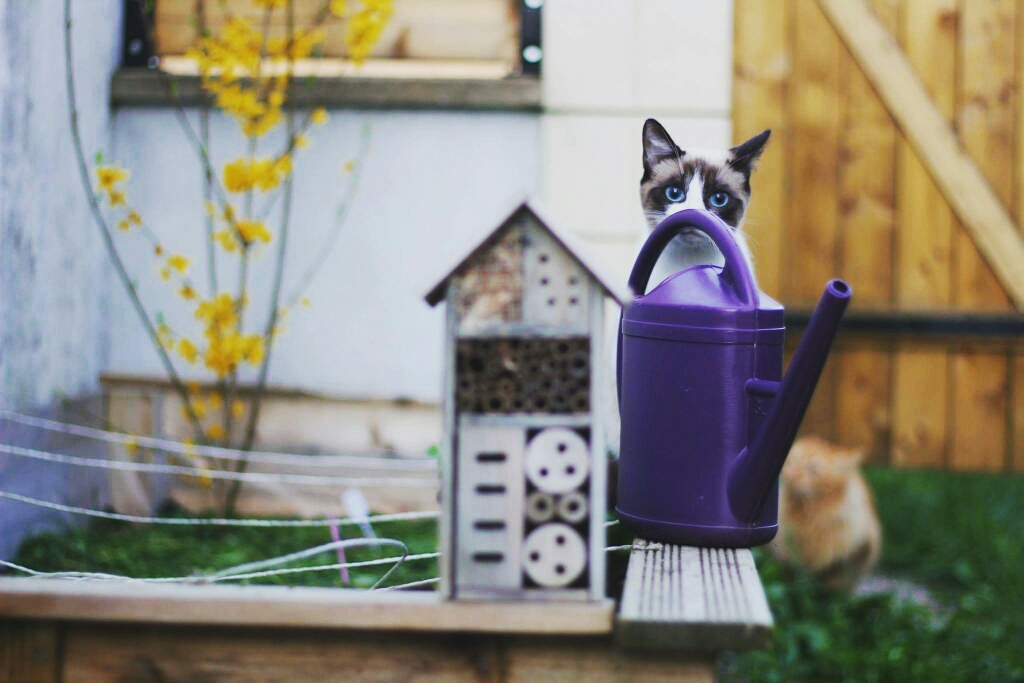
717	181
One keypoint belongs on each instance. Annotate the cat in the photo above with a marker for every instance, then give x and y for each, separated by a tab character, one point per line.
717	181
673	180
828	527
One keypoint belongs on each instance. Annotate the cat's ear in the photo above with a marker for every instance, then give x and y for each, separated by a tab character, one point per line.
746	154
658	145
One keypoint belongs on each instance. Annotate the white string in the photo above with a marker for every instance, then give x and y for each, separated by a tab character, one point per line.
267	457
611	523
203	521
265	477
235	573
325	567
411	584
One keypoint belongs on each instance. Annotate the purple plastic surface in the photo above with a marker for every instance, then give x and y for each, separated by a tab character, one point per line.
707	419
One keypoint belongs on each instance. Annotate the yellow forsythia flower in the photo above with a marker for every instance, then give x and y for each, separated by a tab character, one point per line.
320	116
237	408
301	141
254	348
198	407
304	302
216	431
165	273
117	198
252	231
227	240
134	218
218	313
178	263
187	292
164	336
109	176
338	8
205	480
124	225
188	350
158	250
216	402
349	166
271	4
365	26
266	174
261	125
131	446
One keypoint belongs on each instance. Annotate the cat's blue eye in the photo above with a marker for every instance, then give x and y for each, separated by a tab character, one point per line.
718	200
674	193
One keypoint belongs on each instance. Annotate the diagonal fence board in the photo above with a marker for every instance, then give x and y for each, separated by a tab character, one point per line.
933	140
677	597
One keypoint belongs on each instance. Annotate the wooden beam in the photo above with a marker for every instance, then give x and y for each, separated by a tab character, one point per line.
292	607
677	597
143	88
29	652
122	652
933	140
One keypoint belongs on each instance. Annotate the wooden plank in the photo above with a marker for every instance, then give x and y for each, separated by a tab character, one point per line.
867	216
985	117
979	417
29	652
985	122
1017	434
761	70
1015	454
814	124
811	216
675	596
920	408
142	88
867	181
123	653
291	607
864	418
924	244
454	29
928	131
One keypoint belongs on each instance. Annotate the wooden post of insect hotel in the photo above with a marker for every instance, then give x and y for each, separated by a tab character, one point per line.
523	458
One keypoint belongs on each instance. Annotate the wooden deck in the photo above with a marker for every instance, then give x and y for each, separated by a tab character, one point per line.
680	607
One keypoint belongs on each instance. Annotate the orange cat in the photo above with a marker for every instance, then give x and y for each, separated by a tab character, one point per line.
827	522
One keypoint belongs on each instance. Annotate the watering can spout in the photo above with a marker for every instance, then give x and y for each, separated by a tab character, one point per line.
754	473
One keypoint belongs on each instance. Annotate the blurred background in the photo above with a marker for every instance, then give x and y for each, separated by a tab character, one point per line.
463	109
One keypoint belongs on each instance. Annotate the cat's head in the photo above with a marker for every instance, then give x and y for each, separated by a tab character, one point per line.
675	179
818	472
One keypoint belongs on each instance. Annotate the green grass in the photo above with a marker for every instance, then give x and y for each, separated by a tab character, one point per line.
166	551
959	535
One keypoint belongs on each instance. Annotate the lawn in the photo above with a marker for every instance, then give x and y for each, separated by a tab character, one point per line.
165	551
961	536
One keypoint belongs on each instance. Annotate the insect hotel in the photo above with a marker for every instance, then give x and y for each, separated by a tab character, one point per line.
523	456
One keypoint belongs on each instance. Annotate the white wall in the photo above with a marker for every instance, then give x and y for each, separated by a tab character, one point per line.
608	66
434	182
52	270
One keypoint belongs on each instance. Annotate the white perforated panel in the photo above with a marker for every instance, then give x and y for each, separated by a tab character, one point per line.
556	291
489	507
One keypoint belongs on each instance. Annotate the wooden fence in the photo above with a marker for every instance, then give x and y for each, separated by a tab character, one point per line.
842	192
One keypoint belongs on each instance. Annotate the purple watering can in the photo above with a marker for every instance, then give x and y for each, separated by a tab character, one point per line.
707	418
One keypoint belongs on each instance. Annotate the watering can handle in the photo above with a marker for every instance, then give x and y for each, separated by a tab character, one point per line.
736	270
